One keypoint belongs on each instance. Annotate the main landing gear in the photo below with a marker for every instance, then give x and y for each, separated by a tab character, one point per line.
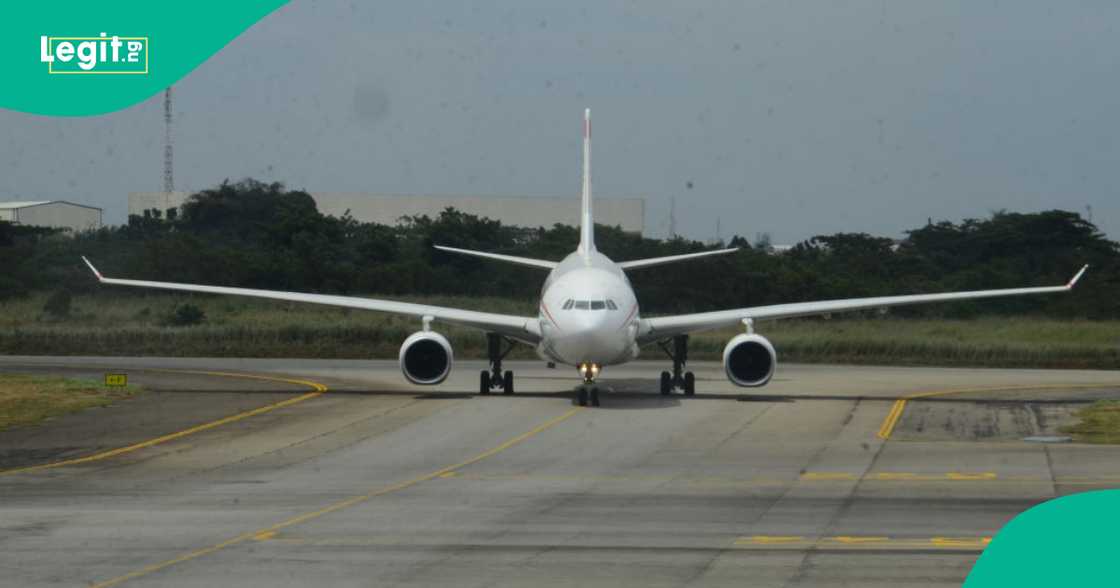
494	378
686	381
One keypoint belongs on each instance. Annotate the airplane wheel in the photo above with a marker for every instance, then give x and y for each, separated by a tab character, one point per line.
689	384
595	397
666	383
484	382
582	396
507	383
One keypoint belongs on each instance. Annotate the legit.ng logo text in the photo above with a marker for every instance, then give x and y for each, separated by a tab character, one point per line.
94	55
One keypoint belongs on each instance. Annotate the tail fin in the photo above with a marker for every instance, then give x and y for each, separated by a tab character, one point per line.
586	221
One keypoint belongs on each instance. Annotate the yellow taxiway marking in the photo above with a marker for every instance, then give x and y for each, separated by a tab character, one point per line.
771	539
319	390
901	476
899	406
862	541
271	531
264	536
713	481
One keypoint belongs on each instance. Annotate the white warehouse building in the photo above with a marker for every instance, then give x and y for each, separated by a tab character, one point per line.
58	214
628	213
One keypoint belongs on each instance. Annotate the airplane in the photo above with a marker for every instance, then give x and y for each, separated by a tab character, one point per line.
588	317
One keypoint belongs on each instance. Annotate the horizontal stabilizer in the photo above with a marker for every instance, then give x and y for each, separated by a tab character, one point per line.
640	263
541	263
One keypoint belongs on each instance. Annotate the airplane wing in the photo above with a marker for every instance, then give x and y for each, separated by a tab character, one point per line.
522	328
652	261
541	263
653	329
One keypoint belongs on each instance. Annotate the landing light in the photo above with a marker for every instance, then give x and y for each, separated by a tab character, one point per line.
589	371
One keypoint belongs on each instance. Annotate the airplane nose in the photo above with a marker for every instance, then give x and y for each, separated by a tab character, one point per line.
591	339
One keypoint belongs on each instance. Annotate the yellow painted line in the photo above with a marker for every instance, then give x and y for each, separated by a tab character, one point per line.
770	539
817	476
903	476
270	531
264	536
895	413
971	476
889	422
882	542
849	540
319	390
894	476
980	542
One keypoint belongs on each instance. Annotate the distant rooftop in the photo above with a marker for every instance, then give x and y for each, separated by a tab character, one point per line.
8	205
30	203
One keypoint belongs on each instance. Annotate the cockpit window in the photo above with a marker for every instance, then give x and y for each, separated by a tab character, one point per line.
589	304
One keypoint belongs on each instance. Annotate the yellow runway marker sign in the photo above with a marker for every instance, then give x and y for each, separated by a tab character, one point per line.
116	379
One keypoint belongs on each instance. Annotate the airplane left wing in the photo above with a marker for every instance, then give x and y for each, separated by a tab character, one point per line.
522	328
653	329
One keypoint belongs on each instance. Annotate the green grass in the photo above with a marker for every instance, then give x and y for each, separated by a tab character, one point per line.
26	400
111	322
1100	423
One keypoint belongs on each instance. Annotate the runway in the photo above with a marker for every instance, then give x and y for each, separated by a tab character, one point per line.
374	482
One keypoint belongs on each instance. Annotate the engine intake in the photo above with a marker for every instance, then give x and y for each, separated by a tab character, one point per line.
749	360
426	358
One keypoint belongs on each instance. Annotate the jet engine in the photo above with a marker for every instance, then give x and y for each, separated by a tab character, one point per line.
426	358
749	360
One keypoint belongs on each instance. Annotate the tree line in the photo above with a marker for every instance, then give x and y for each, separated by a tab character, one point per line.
262	235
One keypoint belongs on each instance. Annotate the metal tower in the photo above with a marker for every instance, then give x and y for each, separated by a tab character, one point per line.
168	178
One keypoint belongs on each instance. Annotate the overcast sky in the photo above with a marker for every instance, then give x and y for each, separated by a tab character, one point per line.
793	118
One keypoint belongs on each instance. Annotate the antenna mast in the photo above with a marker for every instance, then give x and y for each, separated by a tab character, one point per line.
168	178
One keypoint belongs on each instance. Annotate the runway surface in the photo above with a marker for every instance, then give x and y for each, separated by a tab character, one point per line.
378	483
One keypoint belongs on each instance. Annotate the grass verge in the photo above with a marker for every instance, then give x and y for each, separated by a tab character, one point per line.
27	400
1100	423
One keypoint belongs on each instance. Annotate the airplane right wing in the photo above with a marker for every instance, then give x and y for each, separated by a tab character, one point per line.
653	329
522	328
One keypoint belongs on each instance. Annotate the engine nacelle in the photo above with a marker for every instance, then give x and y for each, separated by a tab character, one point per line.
749	360
426	358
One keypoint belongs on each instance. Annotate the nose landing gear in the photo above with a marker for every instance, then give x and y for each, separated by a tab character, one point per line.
588	391
685	381
489	380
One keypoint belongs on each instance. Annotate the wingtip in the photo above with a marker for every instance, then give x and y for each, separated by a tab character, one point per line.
92	269
1073	282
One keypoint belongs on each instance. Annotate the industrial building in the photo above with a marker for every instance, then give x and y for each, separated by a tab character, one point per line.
628	213
58	214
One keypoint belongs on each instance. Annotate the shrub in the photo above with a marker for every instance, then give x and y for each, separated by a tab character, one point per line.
58	304
186	315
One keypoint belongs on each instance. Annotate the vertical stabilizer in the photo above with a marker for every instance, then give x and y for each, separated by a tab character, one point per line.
586	222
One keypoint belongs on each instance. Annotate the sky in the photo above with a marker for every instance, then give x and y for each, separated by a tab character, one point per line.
784	117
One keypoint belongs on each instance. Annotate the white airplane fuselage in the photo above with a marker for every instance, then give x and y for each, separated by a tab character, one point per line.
588	313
